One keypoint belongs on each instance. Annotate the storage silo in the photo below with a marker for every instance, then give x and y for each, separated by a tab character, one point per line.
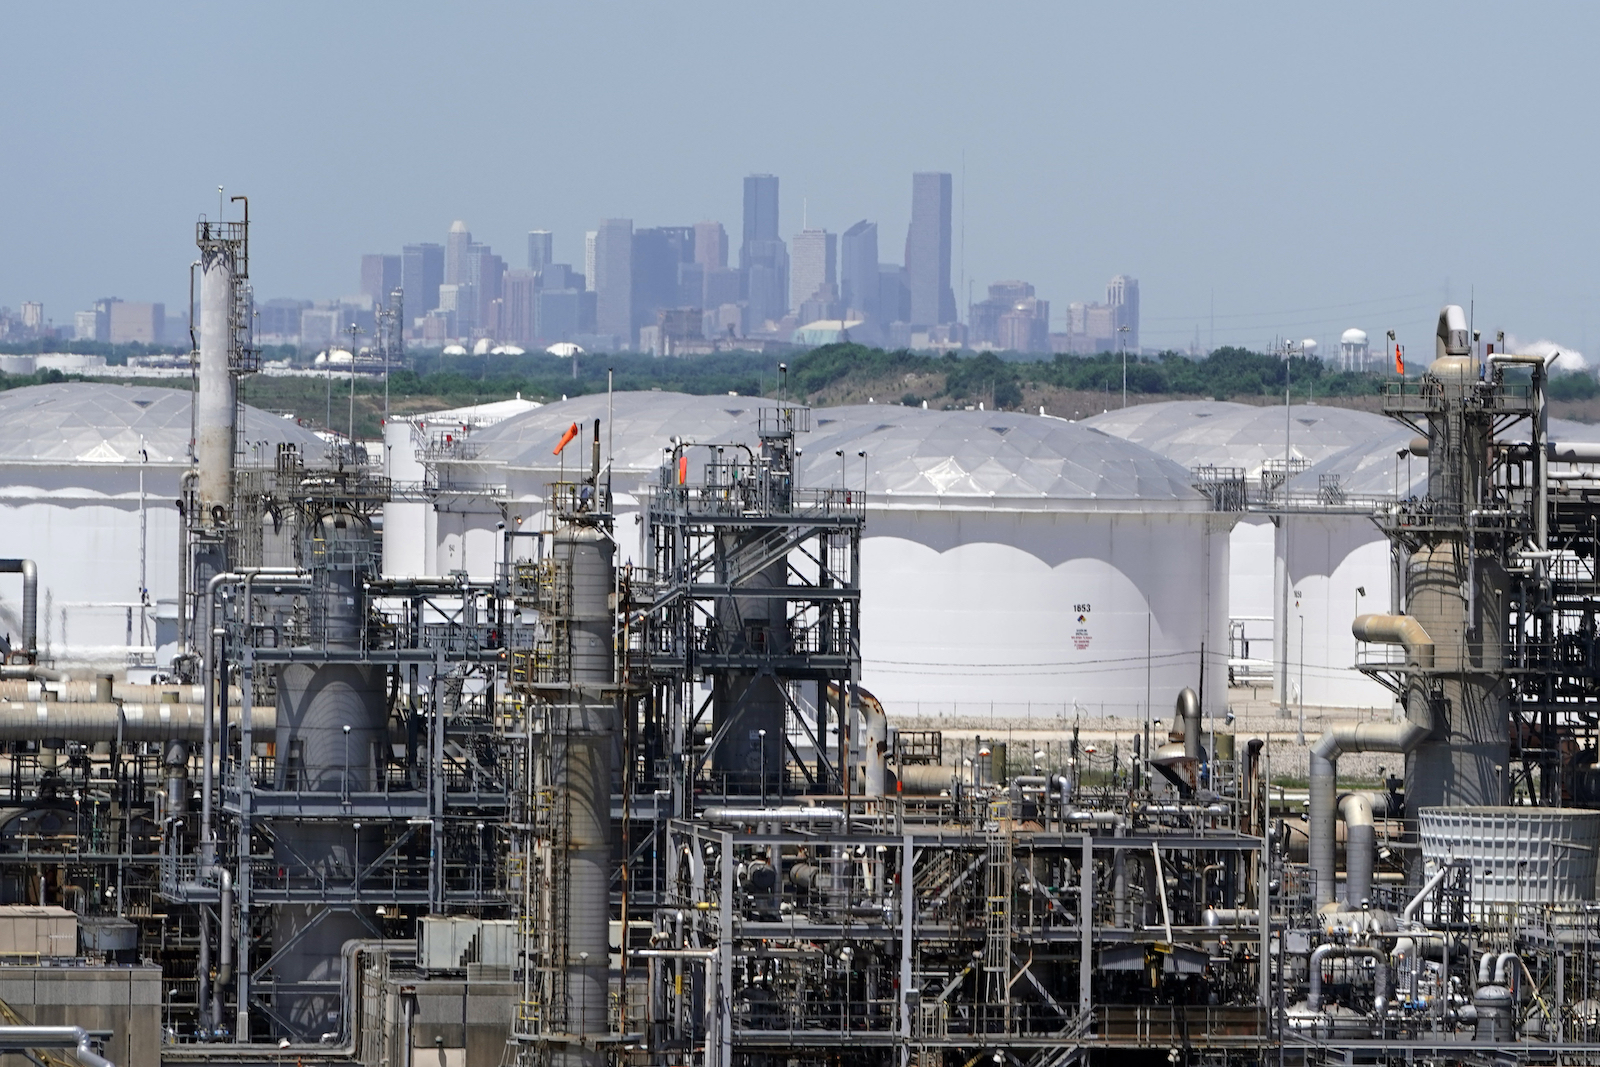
88	476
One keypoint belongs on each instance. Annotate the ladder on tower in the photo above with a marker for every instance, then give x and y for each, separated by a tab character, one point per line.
997	926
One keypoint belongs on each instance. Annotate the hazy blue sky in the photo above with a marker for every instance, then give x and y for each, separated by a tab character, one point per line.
1306	167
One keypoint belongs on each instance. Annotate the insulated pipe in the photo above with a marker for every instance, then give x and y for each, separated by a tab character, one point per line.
877	747
1399	737
1188	710
1573	451
1359	846
208	844
225	943
1231	917
1409	913
30	601
76	1038
1504	973
1323	952
89	723
1396	630
784	814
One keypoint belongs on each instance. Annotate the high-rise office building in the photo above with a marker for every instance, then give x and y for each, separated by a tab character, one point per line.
483	271
659	254
142	323
380	275
541	249
811	268
421	274
933	302
456	244
894	298
858	269
1122	296
760	215
613	280
589	237
710	246
519	302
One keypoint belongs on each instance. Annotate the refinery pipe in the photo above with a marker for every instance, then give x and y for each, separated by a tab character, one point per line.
76	1038
30	601
1400	630
1399	737
89	722
1324	952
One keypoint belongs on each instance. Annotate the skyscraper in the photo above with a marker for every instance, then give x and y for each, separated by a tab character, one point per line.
421	274
811	268
1122	295
710	245
613	280
659	254
541	246
380	275
933	302
588	258
520	289
456	244
858	269
760	215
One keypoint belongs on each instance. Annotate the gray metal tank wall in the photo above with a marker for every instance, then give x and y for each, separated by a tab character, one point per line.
581	766
316	701
1464	761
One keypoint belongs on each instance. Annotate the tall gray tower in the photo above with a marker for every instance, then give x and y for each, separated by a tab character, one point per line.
933	302
613	279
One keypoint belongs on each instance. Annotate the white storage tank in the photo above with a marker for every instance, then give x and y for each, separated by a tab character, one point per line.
88	478
1294	580
1012	565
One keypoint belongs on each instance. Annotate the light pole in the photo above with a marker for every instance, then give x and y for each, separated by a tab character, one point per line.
1301	695
1122	343
346	781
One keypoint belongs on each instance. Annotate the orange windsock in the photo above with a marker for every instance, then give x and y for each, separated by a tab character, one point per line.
683	470
1399	359
566	439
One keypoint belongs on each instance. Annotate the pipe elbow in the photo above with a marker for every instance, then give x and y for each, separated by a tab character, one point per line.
1402	630
1355	809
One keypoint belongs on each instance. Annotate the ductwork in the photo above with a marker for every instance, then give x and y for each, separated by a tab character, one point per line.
1360	844
1400	630
1179	760
1399	737
30	601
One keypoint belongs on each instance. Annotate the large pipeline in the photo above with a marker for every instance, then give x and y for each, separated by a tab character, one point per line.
1324	952
90	722
30	601
1399	737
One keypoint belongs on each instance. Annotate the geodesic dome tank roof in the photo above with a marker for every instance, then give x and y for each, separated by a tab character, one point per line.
95	423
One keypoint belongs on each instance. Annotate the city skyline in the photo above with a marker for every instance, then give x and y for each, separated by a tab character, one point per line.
1247	214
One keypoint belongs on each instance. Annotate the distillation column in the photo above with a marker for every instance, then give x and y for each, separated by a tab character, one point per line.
215	401
1459	597
331	727
583	736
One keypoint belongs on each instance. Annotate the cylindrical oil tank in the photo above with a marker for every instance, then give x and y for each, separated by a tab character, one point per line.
581	769
1464	761
1516	855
